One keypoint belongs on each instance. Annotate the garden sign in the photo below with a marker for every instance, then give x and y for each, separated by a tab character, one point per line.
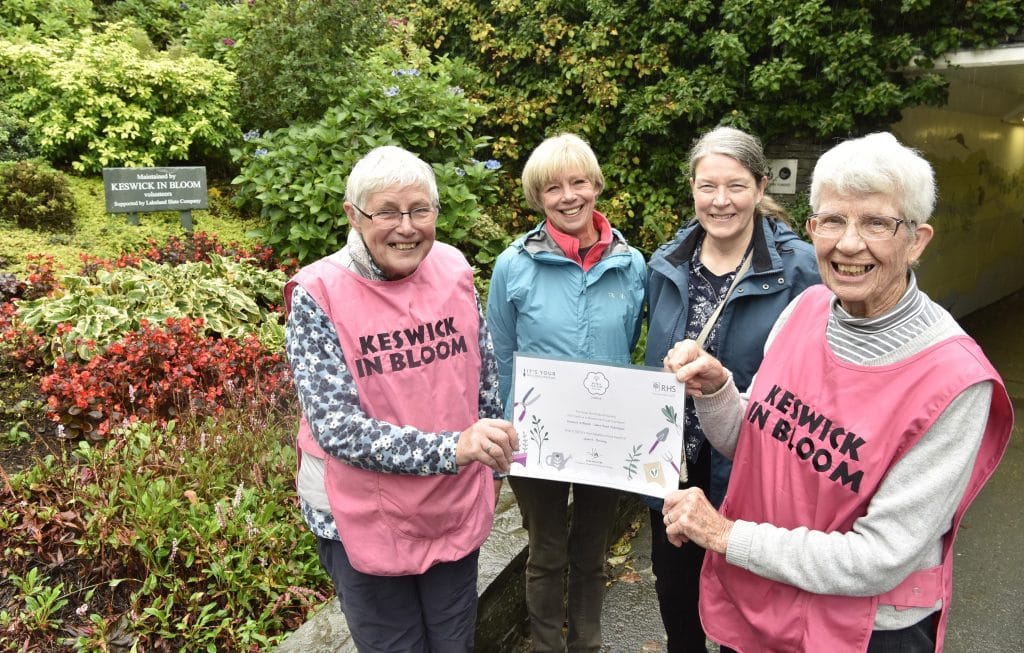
144	190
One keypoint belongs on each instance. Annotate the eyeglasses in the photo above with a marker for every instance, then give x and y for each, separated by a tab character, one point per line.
420	215
870	227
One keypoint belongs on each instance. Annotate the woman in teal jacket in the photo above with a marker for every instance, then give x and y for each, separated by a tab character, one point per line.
573	288
688	276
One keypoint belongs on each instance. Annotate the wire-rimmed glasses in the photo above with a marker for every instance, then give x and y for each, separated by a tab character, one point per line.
870	227
420	215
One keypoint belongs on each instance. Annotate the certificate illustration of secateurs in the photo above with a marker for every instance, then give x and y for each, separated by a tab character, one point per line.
527	399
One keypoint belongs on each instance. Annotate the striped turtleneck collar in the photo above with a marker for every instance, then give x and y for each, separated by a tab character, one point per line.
873	340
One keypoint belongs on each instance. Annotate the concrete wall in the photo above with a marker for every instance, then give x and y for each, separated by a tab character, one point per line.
977	255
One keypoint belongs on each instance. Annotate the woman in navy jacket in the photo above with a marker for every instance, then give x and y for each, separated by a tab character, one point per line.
688	278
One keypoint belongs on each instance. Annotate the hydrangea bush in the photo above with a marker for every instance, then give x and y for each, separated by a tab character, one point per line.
296	176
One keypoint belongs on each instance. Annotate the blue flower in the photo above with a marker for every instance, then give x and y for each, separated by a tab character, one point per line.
402	72
391	91
492	164
252	134
260	151
460	172
455	90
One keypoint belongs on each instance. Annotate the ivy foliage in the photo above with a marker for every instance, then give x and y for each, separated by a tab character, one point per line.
641	79
297	175
108	99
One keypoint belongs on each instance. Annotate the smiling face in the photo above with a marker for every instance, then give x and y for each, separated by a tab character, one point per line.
397	250
868	277
724	196
568	201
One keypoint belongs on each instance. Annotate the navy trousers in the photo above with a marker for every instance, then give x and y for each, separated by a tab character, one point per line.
432	612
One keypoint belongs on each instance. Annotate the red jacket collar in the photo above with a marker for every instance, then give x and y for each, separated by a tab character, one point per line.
571	244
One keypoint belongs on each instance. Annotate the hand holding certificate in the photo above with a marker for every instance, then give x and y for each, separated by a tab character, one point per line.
608	425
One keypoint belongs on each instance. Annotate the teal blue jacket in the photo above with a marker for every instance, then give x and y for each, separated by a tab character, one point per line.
543	303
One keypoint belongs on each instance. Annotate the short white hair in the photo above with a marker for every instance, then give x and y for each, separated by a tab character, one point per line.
877	164
387	166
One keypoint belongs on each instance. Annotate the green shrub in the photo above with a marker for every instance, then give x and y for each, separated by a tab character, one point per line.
218	33
15	140
34	196
297	175
101	101
301	55
163	20
39	19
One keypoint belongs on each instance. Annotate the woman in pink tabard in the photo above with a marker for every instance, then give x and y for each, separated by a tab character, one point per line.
401	428
871	425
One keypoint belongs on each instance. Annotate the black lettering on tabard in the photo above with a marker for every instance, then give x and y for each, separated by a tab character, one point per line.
396	337
833	437
851	444
822	460
800	428
443	350
368	366
414	357
459	345
782	430
784	402
808	418
366	345
397	362
843	475
805	448
414	336
797	405
757	414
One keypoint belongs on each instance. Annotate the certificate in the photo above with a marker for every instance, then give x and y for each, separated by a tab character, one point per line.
615	426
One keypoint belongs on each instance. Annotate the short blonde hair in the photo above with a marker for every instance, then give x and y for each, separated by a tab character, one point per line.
553	157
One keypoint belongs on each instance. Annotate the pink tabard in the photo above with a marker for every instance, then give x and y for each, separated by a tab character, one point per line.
412	347
818	438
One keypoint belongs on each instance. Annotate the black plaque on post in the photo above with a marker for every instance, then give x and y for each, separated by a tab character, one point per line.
145	190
